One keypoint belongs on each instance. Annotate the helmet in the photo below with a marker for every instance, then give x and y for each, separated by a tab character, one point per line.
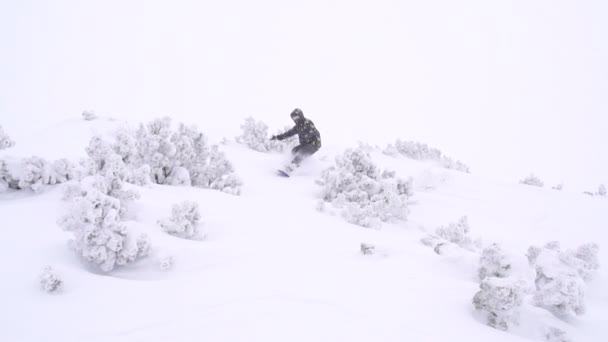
297	113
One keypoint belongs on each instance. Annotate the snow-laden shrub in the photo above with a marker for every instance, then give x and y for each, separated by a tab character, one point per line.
155	149
367	249
419	151
187	149
457	233
5	177
217	173
166	263
500	300
5	140
560	276
184	221
255	136
365	195
532	180
36	172
494	263
553	334
99	235
125	145
89	115
50	280
601	191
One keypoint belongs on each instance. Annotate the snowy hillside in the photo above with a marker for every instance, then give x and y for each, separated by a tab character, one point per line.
276	263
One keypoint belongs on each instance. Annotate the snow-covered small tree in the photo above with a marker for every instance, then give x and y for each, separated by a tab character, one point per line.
553	334
255	136
420	151
5	177
155	149
365	195
601	191
5	140
125	145
218	174
184	221
457	233
166	263
559	285
99	236
494	263
558	187
500	300
367	249
89	115
532	180
50	280
36	172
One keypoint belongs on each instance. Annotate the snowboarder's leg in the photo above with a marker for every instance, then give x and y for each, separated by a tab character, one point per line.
303	151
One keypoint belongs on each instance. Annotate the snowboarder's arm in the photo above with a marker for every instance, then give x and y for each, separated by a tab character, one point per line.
288	134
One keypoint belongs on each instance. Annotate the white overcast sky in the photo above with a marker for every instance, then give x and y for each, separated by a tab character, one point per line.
508	87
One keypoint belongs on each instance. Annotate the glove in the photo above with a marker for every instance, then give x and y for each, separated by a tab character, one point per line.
274	137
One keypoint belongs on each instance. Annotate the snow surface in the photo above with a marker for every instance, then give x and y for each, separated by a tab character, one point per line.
273	268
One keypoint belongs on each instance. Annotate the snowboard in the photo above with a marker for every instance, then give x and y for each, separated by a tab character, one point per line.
282	173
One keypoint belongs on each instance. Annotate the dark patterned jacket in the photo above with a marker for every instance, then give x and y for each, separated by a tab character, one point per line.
306	131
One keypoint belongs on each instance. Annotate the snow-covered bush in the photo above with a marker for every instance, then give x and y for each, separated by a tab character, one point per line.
49	280
560	276
89	115
5	177
601	191
457	233
494	263
187	149
367	249
532	180
99	236
365	195
419	151
166	263
184	221
255	136
553	334
5	140
217	173
558	187
36	172
500	300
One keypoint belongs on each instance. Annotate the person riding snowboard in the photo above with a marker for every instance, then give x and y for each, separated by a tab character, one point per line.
310	139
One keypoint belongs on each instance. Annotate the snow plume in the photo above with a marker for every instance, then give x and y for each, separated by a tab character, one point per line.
500	300
419	151
255	136
533	181
5	140
365	195
99	235
184	221
561	275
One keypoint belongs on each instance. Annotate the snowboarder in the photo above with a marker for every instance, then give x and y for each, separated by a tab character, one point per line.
310	139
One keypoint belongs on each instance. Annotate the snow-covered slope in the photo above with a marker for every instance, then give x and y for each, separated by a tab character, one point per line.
273	268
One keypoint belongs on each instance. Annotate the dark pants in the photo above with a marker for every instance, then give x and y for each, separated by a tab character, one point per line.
304	151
